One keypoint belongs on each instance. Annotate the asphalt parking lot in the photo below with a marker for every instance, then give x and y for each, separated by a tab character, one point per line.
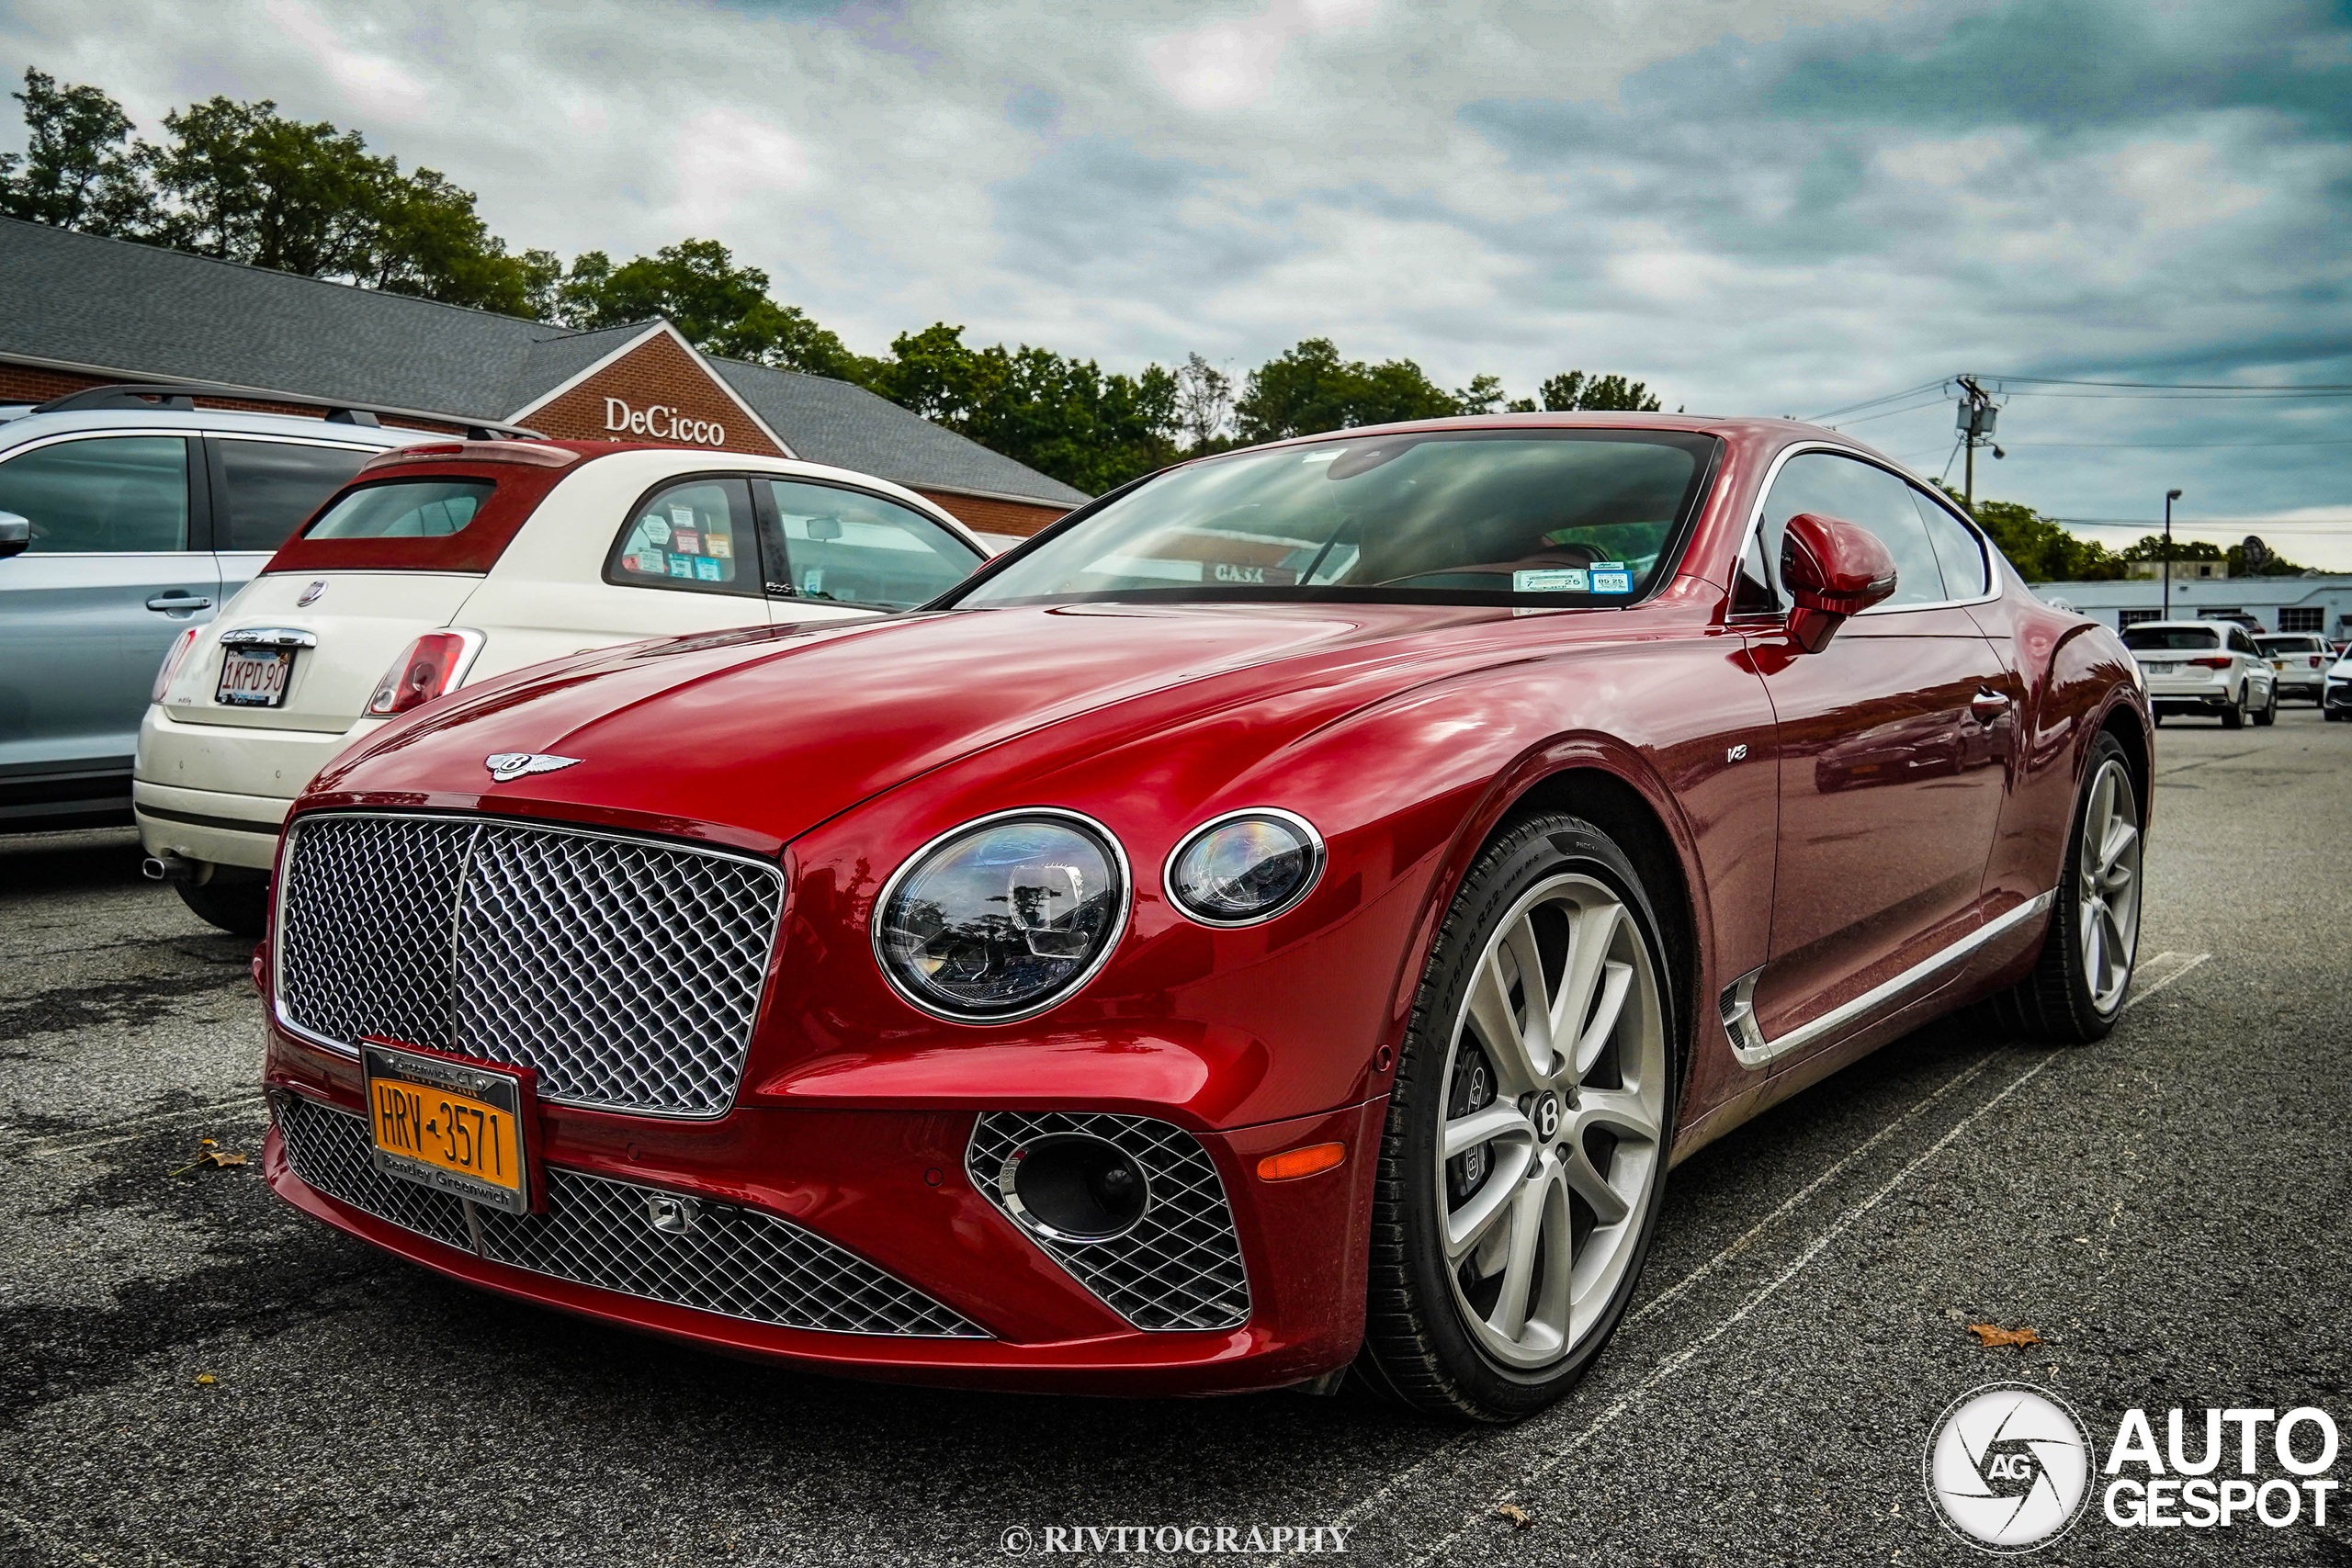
195	1374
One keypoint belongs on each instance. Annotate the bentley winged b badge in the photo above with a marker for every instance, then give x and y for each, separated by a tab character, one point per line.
508	765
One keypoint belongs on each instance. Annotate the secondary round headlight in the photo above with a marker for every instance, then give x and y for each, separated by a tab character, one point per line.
1244	868
1003	917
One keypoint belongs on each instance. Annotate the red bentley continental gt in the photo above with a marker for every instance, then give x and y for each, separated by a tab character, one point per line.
1287	917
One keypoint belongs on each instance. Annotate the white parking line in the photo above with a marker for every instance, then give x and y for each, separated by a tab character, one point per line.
131	1127
1837	1228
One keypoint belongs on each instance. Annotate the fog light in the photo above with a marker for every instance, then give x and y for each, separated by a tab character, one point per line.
1074	1188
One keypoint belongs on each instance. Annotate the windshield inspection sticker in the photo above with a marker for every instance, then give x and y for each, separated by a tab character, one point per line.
1550	579
1610	577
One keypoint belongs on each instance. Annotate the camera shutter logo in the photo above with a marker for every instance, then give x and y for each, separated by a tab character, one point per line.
2008	1468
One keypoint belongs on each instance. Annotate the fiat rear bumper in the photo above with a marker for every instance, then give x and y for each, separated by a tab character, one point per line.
855	1243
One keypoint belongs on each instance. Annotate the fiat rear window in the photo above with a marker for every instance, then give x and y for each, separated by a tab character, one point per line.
403	509
1534	517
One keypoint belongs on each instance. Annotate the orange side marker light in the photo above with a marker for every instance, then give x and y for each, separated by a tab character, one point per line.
1292	1164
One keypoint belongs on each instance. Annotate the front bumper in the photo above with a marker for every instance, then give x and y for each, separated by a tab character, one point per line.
873	1208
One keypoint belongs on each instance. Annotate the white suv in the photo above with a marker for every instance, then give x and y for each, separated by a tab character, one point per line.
2204	667
446	563
2299	661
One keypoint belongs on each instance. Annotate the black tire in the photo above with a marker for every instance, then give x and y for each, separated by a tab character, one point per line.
2054	1002
239	906
2269	714
1416	1348
2233	716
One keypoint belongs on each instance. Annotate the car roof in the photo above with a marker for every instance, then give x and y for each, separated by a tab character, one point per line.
683	460
29	427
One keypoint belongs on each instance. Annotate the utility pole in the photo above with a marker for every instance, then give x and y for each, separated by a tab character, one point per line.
2170	496
1975	422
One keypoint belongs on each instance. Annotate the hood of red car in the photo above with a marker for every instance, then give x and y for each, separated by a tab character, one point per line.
772	732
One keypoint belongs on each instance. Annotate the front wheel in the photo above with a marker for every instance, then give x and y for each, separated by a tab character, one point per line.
1527	1129
2075	992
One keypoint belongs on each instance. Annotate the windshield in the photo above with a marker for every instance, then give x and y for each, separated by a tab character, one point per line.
2140	639
1546	517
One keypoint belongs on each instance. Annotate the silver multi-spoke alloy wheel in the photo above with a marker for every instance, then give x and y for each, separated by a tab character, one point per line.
2108	884
1555	1120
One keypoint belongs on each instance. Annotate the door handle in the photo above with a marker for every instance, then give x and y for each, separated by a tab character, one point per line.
1987	706
180	600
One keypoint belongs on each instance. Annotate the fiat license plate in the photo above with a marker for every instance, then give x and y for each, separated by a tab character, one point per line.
253	677
453	1126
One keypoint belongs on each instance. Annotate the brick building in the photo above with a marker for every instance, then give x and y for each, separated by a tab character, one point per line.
77	311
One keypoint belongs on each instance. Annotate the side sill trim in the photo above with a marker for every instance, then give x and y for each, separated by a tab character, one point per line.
1837	1017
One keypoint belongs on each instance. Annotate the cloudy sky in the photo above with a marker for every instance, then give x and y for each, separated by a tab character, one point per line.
1783	208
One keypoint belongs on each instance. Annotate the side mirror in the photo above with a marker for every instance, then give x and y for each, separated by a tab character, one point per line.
15	534
1833	569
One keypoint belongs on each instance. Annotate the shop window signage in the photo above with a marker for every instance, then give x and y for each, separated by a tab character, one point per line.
663	423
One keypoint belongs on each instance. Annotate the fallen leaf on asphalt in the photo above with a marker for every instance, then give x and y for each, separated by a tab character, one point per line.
213	1155
1518	1517
1993	1337
205	1379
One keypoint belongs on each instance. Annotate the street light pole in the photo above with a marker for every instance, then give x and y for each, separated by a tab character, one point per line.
2170	496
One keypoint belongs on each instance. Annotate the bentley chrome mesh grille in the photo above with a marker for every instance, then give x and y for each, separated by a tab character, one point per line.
1180	1266
640	1241
329	1151
626	973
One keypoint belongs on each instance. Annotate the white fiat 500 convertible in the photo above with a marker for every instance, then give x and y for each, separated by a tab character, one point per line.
442	564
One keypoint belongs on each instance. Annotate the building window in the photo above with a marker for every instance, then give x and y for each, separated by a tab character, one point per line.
2126	619
2302	618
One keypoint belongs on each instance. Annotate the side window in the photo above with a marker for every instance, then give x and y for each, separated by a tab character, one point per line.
1869	497
266	489
2239	641
110	493
856	549
695	534
1957	550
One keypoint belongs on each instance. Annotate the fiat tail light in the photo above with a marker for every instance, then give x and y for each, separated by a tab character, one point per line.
427	668
186	641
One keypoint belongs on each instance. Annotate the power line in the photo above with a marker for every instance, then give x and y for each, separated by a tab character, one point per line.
2177	445
2333	386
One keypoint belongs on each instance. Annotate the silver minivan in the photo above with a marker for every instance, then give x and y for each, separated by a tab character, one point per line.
127	513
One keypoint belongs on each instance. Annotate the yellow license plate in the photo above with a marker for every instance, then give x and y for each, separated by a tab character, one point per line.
454	1125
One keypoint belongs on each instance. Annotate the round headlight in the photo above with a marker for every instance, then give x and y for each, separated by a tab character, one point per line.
1245	868
1003	917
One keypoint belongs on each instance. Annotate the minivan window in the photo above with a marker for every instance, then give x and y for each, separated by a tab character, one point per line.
2159	638
268	488
108	493
403	509
857	548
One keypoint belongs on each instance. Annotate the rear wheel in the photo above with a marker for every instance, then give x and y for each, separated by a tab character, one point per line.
2269	714
2233	716
1527	1129
2075	992
239	906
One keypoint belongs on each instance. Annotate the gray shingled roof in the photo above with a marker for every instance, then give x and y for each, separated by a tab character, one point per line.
118	306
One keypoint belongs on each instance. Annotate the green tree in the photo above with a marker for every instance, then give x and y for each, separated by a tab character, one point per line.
1572	392
722	307
246	185
429	242
2042	548
2151	547
1309	388
1063	417
79	169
